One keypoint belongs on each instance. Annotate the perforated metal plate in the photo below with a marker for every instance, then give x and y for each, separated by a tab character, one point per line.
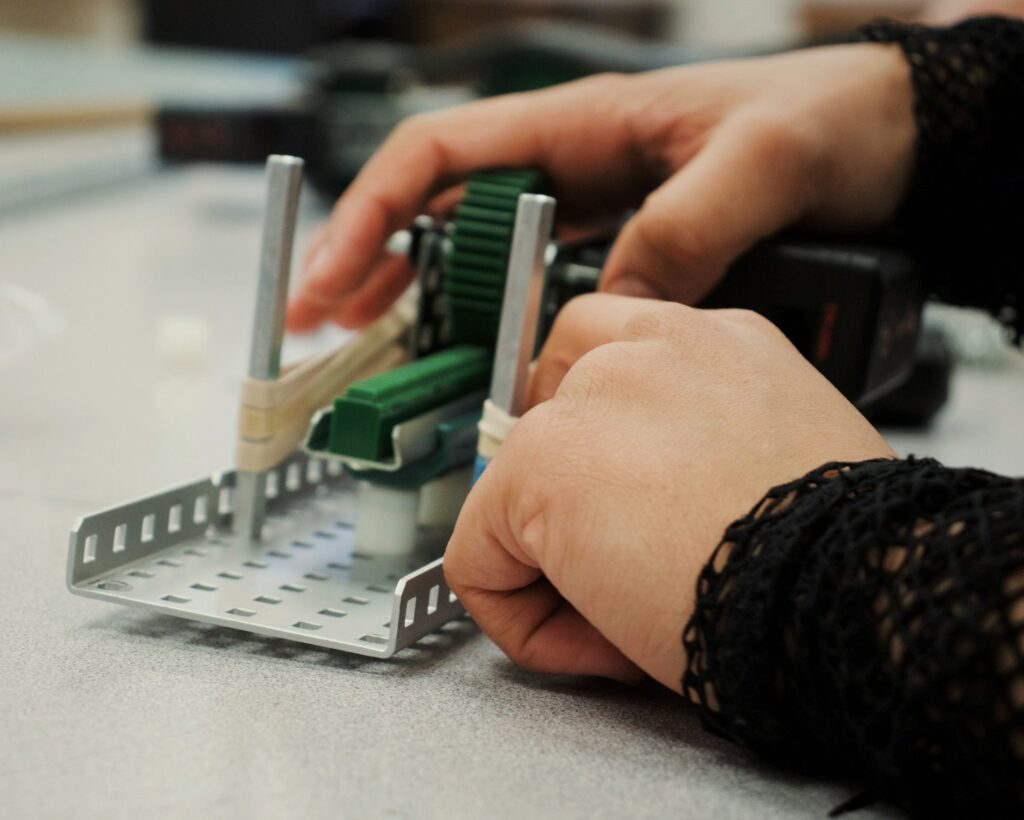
175	553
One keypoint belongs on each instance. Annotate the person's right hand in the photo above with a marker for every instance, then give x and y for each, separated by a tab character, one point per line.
718	156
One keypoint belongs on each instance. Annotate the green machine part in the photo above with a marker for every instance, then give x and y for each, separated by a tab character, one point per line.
475	256
365	415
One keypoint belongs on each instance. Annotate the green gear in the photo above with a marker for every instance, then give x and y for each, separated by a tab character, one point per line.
475	257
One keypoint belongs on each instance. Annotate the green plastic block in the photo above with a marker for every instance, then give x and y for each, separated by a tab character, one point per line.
456	447
364	417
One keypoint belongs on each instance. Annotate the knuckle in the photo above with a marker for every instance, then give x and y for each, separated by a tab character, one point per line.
777	139
669	319
751	320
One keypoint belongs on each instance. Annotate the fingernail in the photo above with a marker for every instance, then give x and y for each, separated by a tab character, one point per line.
632	286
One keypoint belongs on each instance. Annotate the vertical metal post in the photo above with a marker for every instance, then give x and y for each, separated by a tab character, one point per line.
520	312
284	181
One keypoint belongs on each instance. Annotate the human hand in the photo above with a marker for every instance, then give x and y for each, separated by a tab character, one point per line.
733	151
655	427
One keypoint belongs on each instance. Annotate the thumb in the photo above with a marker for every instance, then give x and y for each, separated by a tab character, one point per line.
754	177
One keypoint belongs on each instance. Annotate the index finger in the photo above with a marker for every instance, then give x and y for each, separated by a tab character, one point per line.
570	129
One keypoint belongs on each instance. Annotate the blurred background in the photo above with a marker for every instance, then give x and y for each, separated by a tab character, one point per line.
132	137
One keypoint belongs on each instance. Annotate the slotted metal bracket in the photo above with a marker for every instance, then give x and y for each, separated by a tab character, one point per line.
176	553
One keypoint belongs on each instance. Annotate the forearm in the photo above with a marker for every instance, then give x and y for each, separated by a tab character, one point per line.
869	618
963	208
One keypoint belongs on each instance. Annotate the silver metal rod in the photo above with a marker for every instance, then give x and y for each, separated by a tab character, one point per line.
284	181
520	310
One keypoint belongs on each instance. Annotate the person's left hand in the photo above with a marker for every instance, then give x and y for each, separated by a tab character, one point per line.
655	427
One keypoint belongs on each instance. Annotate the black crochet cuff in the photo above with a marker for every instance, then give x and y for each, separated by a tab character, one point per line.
868	618
962	209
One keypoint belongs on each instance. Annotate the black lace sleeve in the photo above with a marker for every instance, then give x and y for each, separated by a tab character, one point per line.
963	211
869	619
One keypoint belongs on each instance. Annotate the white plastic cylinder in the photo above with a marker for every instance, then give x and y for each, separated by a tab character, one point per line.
386	520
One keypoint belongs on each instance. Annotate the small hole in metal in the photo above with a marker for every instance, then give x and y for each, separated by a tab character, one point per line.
344	525
292	588
169	562
362	556
307	625
148	527
410	611
141	573
195	551
199	511
89	553
279	554
316	576
355	599
266	599
256	564
322	534
376	588
337	565
314	471
432	602
120	537
333	613
333	468
452	598
225	500
176	599
304	544
233	576
293	478
204	587
245	613
272	487
378	639
174	518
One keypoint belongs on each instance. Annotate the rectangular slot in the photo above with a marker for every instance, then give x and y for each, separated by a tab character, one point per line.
344	525
355	599
377	588
339	565
89	553
452	598
200	511
322	534
293	478
272	486
302	544
140	573
362	556
176	599
279	554
314	471
245	613
204	587
197	551
255	564
316	576
148	528
225	500
410	611
292	588
231	576
377	639
307	625
120	537
266	599
333	613
333	468
174	518
432	601
169	562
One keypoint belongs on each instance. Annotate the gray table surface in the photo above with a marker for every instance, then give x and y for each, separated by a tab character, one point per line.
112	712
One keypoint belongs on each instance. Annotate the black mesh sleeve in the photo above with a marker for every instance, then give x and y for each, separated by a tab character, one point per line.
869	618
963	210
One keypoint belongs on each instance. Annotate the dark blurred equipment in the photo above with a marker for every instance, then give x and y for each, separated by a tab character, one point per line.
357	92
924	392
295	26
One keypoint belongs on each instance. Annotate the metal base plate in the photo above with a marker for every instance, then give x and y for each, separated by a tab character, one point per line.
175	553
